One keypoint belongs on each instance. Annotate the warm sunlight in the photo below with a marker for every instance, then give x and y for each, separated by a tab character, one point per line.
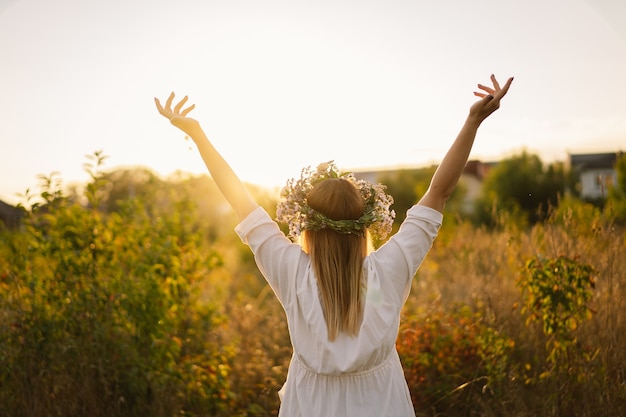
173	258
291	84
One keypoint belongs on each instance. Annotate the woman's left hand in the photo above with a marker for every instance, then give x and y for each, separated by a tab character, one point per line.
491	97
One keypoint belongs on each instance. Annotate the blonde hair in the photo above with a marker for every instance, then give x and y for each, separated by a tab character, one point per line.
338	258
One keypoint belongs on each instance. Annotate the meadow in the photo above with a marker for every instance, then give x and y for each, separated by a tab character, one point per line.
124	301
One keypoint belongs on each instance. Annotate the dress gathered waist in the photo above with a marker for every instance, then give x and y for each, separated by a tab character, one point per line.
297	361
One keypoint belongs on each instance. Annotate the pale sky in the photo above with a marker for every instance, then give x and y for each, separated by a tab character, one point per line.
282	84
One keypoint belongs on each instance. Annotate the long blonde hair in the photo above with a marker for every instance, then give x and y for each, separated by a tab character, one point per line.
338	258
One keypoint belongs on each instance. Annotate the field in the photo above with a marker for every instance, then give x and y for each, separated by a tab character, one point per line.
151	306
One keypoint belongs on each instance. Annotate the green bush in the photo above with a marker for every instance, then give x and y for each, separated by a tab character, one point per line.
100	316
556	292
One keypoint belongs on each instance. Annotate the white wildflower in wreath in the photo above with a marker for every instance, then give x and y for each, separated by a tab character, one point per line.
294	211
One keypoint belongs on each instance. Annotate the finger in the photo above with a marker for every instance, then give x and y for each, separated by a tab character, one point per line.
180	104
158	105
160	108
504	89
187	110
506	86
487	89
495	83
486	97
168	103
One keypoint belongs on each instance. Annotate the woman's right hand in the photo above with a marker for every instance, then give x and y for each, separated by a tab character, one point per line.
177	116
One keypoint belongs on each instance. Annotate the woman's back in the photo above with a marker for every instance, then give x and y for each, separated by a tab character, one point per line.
351	375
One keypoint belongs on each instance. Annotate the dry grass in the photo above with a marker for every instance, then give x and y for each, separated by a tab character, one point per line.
480	268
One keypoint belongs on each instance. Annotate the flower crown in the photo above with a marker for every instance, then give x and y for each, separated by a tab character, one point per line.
295	211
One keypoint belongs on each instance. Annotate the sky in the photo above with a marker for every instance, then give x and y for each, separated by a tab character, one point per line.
283	84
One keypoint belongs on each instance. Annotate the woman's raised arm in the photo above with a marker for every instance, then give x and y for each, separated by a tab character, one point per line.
227	181
449	171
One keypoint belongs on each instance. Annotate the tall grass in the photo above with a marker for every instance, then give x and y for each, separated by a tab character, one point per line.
145	311
483	270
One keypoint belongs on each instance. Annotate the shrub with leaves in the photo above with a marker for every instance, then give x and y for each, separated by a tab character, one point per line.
99	313
556	293
450	358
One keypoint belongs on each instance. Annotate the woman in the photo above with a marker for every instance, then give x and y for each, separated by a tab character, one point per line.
342	304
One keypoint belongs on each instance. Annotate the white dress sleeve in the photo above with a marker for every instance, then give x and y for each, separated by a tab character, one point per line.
278	259
399	258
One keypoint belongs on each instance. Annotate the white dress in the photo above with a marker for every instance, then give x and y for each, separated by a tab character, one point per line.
351	376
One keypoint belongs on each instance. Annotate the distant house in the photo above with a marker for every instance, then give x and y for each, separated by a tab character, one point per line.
9	215
472	181
595	173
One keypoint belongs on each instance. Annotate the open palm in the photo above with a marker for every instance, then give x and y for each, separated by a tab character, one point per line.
177	116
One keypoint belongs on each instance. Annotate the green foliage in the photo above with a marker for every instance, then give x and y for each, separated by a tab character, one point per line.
556	293
136	298
616	204
581	215
479	268
99	312
521	184
403	185
452	357
407	186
